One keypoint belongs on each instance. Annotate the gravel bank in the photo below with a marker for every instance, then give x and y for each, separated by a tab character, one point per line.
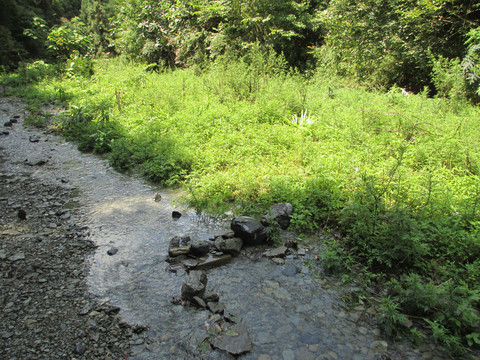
47	312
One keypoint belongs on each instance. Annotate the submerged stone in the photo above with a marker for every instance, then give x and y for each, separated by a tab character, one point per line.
235	340
212	261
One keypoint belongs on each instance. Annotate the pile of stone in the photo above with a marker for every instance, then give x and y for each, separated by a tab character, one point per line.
227	332
186	254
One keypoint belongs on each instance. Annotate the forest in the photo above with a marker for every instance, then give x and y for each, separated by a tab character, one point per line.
363	114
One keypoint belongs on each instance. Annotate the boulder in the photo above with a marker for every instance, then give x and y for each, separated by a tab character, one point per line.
194	285
280	213
229	246
179	245
249	229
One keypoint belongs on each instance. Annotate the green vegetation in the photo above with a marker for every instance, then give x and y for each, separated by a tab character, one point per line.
363	117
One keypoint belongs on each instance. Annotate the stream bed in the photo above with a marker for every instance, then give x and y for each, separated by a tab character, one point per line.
291	310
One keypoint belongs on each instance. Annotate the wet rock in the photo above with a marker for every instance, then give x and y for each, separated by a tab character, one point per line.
112	251
8	124
194	284
179	245
216	307
210	297
5	132
34	139
276	253
176	214
198	301
212	261
200	247
157	197
22	215
250	230
229	246
279	213
235	340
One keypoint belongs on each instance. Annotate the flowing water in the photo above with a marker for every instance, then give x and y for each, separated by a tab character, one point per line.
290	314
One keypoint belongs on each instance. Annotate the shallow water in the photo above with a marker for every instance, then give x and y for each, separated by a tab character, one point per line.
289	313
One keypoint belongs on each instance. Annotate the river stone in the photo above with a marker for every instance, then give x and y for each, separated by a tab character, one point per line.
249	229
176	214
22	215
216	307
200	247
194	284
112	251
236	340
280	213
197	300
179	245
229	246
210	297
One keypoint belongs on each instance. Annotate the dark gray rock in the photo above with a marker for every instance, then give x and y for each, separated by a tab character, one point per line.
211	297
279	213
112	251
229	246
194	285
33	139
249	229
22	215
8	124
176	214
200	247
198	301
179	245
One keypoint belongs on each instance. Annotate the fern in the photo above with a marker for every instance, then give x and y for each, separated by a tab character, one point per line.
471	66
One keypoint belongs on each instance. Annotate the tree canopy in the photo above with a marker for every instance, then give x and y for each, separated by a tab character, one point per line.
378	42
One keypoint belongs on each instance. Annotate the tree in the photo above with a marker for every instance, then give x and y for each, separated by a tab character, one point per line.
390	42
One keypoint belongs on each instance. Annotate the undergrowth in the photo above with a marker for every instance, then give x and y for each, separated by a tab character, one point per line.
396	175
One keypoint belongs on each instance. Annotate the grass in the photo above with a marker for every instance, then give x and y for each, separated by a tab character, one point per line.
397	176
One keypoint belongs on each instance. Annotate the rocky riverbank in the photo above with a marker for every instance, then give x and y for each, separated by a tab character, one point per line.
47	312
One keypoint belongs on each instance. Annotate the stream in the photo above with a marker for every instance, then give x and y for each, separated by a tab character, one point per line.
290	310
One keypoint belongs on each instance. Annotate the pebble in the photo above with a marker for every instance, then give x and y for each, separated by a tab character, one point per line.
112	251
